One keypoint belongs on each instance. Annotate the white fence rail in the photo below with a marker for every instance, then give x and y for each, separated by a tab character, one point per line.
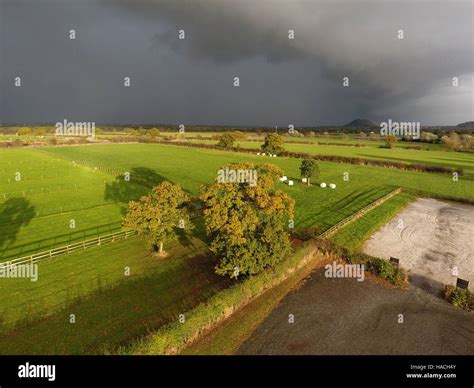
81	245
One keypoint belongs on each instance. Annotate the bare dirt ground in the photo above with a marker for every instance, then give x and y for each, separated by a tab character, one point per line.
431	238
344	316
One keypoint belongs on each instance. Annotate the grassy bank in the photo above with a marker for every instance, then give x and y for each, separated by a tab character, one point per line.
173	338
227	337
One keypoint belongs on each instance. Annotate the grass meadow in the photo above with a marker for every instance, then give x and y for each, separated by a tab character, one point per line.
113	309
110	308
437	157
48	202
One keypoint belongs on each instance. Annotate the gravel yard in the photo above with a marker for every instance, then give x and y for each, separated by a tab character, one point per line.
433	240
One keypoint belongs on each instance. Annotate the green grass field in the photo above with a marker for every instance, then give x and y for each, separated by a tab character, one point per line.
117	292
111	309
191	167
436	157
37	205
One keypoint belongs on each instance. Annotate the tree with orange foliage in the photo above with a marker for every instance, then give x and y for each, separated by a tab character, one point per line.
157	215
247	223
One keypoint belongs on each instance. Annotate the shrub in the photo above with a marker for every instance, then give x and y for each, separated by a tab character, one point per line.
390	140
400	278
459	297
226	140
40	132
428	137
385	270
154	132
467	142
381	268
452	141
273	144
23	131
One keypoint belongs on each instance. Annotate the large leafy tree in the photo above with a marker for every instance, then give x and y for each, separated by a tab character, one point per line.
273	144
157	216
309	169
227	139
247	224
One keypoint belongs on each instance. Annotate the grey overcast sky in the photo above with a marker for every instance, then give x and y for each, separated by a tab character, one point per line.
282	81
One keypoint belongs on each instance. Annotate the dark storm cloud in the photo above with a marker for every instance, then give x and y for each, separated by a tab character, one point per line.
357	39
282	81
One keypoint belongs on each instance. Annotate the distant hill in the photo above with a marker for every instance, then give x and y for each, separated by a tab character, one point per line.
467	124
361	123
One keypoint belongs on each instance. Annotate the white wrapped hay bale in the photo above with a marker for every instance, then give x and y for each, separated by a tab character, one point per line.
290	183
304	180
332	185
284	178
323	185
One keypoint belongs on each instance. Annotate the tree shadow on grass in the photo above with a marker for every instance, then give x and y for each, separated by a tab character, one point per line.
341	208
184	238
15	213
119	314
141	181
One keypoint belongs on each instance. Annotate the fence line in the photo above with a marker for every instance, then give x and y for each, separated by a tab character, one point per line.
81	245
333	229
94	166
115	173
